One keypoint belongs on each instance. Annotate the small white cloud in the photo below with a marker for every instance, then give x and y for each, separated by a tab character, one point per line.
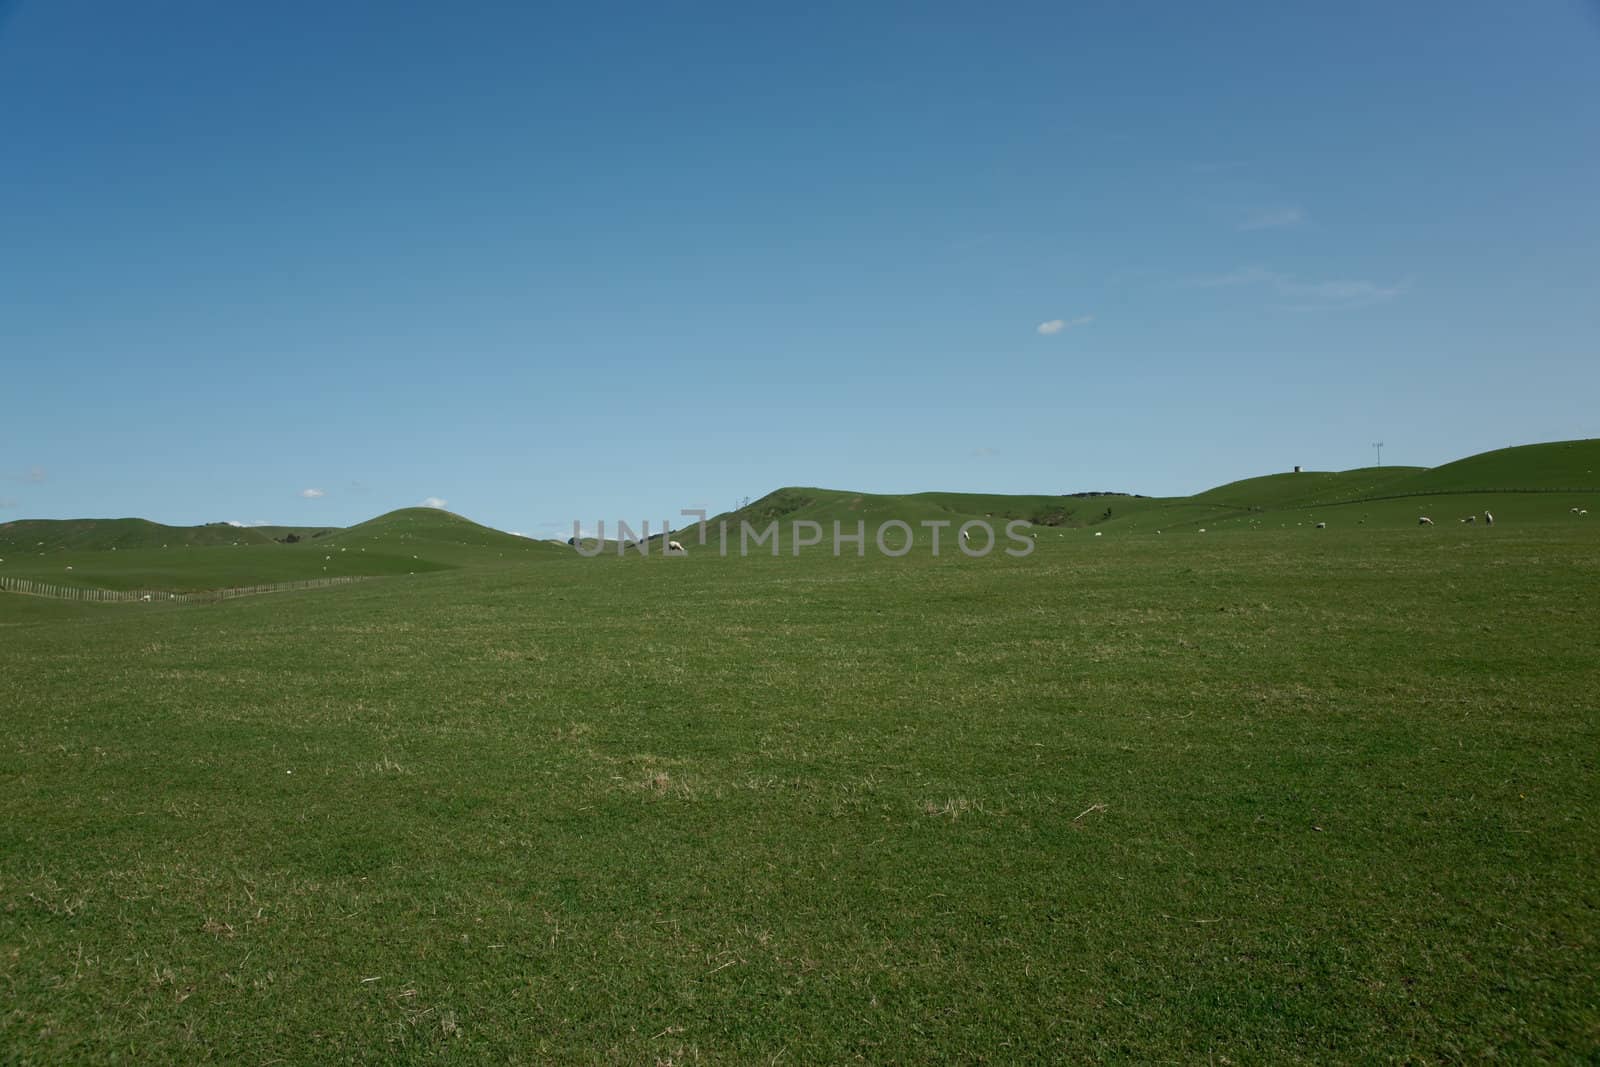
1274	218
313	494
236	522
433	502
1055	326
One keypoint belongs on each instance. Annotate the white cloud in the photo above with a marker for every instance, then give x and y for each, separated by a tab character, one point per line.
1334	294
433	502
1341	294
313	494
1274	218
236	522
1055	326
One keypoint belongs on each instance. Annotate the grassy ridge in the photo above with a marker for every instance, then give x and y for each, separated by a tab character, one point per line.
1308	487
1555	465
433	537
55	535
410	541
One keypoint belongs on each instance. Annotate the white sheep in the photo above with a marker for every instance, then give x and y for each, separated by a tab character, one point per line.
1488	518
1322	526
1424	521
673	546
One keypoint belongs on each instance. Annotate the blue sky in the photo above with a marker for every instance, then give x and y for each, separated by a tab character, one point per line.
545	264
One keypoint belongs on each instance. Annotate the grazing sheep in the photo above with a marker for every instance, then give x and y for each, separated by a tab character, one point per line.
1488	518
1424	521
1097	533
1575	511
1322	526
1470	518
145	597
673	546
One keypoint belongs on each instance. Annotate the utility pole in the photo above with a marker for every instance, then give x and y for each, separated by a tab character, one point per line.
1378	447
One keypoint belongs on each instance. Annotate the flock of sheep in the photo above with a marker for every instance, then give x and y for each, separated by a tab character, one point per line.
1488	519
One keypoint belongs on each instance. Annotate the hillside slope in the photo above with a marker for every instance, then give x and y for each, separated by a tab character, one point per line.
826	506
1547	467
55	535
429	526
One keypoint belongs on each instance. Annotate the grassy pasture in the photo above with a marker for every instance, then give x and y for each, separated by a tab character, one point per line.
1264	796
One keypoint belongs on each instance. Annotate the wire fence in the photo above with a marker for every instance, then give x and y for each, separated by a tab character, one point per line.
30	587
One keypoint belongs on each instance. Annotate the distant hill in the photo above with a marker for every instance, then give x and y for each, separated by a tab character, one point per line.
1559	469
1524	484
137	554
1550	467
48	535
1306	487
429	526
825	506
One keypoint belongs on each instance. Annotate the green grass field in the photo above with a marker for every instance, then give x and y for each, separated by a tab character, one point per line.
1267	795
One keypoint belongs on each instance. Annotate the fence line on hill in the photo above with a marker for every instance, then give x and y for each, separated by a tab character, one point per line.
32	587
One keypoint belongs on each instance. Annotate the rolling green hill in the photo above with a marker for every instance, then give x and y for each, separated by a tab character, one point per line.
1306	487
135	554
1560	474
1528	484
54	535
1555	465
826	506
